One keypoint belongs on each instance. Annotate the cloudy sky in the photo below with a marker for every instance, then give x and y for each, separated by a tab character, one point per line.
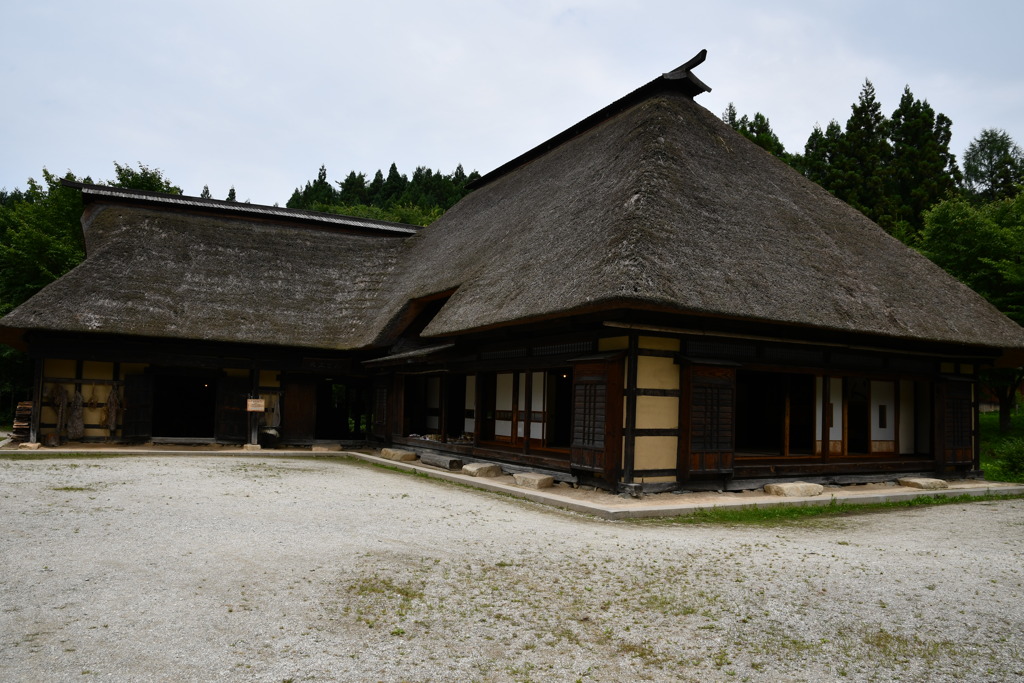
257	94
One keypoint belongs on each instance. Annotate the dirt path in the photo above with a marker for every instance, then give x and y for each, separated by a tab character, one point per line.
217	568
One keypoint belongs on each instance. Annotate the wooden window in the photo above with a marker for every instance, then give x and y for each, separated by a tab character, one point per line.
589	415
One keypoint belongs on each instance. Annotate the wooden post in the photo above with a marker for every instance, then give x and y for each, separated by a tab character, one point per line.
37	399
629	453
254	418
528	410
826	416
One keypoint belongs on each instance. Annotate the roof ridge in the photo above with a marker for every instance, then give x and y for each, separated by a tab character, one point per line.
681	79
242	208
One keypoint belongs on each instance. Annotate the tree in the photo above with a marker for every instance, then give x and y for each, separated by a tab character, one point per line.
418	201
205	194
352	190
993	165
319	191
41	238
921	171
983	246
145	178
819	162
758	130
231	194
865	152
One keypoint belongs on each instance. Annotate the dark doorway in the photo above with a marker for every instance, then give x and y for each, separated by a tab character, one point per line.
559	408
760	412
802	410
342	410
858	415
184	406
775	413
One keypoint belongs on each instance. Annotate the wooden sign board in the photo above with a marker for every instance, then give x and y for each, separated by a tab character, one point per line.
255	405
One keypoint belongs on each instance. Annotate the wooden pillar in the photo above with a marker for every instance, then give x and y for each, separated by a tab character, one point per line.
528	410
826	416
629	451
254	418
37	398
478	408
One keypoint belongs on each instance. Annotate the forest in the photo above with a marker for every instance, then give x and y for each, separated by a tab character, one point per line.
898	170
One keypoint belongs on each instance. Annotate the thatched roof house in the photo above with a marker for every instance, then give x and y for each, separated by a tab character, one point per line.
647	299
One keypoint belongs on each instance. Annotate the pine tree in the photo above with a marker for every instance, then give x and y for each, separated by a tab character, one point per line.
758	130
231	194
205	194
922	171
821	154
865	152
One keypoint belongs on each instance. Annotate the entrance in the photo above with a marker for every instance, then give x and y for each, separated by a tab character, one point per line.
184	406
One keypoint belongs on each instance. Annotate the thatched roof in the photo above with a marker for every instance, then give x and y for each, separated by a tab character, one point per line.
652	203
194	269
662	206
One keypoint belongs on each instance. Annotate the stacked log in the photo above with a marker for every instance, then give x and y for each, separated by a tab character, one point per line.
22	421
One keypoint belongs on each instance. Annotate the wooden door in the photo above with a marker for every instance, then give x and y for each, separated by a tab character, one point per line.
379	427
232	422
597	419
954	426
137	418
298	411
709	407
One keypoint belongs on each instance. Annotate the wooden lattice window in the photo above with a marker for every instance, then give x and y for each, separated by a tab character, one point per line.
589	405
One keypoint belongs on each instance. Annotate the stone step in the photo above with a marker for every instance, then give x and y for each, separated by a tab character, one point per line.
398	454
794	488
482	469
923	483
533	480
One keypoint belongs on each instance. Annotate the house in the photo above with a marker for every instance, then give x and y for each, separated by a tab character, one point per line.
647	300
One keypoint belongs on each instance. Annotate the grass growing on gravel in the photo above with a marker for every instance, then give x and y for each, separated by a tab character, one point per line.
784	514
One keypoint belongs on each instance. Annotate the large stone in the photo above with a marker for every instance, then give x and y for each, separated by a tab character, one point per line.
794	488
923	483
482	469
251	447
445	462
29	446
327	448
533	480
397	454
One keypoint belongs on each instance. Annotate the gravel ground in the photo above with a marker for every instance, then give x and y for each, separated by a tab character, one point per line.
244	568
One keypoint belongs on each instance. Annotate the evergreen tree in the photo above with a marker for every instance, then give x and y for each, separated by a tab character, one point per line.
922	171
352	190
231	194
205	194
320	191
396	198
821	153
394	187
758	130
865	153
993	165
375	188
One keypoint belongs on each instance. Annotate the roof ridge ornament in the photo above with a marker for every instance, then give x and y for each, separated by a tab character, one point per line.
684	72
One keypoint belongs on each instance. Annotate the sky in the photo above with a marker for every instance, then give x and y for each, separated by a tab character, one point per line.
257	95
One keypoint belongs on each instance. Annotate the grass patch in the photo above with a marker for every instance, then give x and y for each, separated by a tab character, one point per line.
1002	455
790	514
59	455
